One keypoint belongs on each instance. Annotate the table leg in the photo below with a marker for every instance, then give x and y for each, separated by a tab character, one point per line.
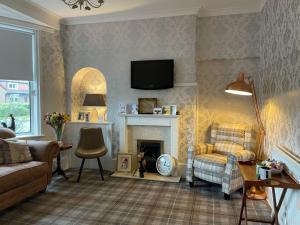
243	206
277	206
59	170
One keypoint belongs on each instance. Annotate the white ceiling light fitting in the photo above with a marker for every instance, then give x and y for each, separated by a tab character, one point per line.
84	4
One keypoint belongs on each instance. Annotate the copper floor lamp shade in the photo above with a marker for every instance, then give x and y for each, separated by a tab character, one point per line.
247	88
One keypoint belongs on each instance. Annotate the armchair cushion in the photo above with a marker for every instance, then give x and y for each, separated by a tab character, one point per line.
226	147
211	162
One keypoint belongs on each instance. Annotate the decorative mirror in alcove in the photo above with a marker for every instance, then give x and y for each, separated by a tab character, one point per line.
86	81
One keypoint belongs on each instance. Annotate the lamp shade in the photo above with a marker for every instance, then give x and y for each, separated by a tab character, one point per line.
239	87
94	100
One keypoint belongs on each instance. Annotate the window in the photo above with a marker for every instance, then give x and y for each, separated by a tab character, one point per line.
19	87
12	86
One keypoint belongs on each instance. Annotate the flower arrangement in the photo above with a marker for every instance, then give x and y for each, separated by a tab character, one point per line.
57	121
274	165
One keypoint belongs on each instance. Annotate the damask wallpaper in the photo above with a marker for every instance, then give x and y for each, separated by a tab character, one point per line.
110	47
280	74
226	45
52	77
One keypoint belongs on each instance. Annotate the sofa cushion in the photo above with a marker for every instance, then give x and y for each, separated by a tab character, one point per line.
15	175
211	162
15	151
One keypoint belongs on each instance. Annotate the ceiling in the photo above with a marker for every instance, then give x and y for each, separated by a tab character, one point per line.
138	9
53	12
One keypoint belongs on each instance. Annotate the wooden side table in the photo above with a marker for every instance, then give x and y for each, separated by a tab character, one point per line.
283	181
58	169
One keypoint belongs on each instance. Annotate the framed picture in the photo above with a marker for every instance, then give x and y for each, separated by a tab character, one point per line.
87	117
124	162
166	109
81	116
146	105
173	110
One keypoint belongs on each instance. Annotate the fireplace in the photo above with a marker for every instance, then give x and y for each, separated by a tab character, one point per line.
152	150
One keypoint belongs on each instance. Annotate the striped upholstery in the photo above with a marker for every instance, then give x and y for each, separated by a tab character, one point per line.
226	147
216	162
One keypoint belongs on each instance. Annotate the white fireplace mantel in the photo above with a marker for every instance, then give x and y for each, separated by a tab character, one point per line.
150	120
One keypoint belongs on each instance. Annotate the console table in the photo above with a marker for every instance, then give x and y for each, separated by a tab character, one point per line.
283	181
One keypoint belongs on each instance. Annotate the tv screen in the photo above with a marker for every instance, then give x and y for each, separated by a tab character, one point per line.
152	74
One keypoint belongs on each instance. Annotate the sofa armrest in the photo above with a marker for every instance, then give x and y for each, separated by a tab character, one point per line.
43	151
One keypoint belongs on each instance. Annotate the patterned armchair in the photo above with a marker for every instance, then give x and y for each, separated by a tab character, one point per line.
216	162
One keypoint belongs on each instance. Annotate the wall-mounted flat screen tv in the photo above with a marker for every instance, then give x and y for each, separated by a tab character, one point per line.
152	74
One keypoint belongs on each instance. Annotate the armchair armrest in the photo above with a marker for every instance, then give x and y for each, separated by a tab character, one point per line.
191	153
204	148
243	155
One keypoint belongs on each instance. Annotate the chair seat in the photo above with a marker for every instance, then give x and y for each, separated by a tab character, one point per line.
211	162
90	153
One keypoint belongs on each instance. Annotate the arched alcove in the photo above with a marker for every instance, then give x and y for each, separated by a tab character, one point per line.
86	81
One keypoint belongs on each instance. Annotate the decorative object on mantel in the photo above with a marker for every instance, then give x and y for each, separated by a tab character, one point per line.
57	121
12	123
146	105
157	111
166	109
166	165
84	4
81	116
241	87
96	100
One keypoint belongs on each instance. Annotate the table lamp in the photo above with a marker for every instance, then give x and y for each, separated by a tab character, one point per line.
96	100
247	88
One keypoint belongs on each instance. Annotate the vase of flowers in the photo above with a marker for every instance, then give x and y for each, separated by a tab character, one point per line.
57	121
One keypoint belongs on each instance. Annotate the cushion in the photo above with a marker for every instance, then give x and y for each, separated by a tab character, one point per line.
228	132
225	147
211	162
15	151
16	175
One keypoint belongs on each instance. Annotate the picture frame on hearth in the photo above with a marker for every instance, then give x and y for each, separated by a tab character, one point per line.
125	162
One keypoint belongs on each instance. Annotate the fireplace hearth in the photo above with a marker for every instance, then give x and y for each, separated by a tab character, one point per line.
152	150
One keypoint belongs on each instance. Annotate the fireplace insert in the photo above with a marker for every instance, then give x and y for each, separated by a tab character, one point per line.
152	150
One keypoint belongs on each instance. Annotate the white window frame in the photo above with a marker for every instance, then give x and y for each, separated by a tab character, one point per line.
34	95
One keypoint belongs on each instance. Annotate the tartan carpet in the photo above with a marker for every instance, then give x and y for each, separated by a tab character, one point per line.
128	202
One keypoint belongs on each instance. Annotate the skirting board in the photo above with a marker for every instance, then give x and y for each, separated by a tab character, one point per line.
147	176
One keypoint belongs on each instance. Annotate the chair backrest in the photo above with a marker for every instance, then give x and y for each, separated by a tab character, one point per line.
240	134
91	138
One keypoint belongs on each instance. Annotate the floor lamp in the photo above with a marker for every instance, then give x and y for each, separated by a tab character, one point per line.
241	87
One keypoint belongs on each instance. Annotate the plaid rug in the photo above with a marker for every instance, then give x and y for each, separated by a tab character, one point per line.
128	201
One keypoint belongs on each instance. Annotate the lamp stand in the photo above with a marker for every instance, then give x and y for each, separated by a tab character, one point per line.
257	193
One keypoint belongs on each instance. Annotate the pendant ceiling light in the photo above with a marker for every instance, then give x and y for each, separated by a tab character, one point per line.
84	4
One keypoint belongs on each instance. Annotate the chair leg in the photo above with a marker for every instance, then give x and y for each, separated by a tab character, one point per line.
100	168
80	170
